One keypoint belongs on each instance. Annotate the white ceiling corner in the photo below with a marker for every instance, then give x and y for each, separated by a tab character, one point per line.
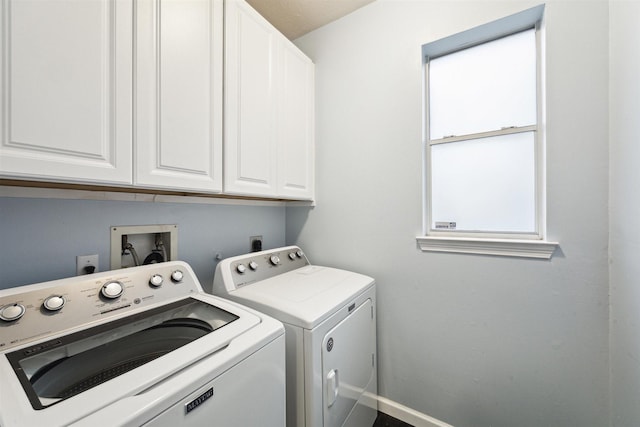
295	18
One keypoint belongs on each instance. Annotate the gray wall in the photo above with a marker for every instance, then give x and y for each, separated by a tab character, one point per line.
41	237
475	341
625	213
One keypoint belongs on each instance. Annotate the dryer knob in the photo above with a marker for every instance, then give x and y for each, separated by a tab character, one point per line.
253	265
299	253
275	259
241	268
292	256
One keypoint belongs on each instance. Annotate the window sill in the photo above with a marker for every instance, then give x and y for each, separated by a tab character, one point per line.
541	249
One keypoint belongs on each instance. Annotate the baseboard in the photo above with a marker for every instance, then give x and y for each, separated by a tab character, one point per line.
408	415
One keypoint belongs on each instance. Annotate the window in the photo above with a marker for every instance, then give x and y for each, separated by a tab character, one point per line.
484	165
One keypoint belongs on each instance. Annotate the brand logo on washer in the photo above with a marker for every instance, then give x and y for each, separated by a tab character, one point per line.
198	401
330	344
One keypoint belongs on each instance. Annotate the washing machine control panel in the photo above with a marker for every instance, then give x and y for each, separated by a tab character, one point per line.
256	266
40	310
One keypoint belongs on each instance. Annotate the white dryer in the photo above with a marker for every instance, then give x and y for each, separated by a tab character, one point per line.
330	327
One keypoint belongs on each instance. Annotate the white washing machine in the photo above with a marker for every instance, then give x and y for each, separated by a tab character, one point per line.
138	346
330	322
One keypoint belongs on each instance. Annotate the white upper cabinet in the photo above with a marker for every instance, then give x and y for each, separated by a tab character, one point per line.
250	101
66	90
268	109
90	96
295	170
178	87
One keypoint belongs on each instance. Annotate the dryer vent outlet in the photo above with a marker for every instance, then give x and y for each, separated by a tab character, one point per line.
255	243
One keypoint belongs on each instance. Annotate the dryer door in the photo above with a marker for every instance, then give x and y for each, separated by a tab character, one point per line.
348	363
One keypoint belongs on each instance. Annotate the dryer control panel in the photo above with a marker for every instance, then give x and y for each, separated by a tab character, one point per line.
245	269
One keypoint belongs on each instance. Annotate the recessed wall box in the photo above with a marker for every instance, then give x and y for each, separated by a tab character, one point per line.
133	245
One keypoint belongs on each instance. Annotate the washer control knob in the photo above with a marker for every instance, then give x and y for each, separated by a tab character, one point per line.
177	276
54	303
292	256
299	253
253	265
156	281
275	259
241	268
112	290
12	312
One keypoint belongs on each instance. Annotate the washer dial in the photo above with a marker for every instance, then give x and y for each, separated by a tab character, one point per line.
177	276
275	259
54	303
156	281
112	290
12	312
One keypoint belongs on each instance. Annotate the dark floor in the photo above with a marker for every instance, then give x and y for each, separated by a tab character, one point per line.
385	420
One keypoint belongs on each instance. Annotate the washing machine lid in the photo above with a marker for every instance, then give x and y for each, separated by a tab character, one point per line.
58	369
304	297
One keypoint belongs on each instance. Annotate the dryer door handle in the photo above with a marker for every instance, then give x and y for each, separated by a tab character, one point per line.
332	387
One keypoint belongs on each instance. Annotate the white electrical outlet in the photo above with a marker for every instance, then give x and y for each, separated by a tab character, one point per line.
255	243
86	264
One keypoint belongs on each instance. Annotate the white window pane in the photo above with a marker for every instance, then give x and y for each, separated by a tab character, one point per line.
484	88
485	184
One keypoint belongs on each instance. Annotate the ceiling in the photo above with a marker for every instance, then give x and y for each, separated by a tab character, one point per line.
294	18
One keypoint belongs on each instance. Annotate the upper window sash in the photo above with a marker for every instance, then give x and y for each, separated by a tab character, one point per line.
474	90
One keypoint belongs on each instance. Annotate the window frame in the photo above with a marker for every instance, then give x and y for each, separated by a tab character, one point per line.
521	244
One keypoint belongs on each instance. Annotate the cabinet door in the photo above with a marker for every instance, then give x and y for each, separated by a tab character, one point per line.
296	125
178	84
66	90
250	102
